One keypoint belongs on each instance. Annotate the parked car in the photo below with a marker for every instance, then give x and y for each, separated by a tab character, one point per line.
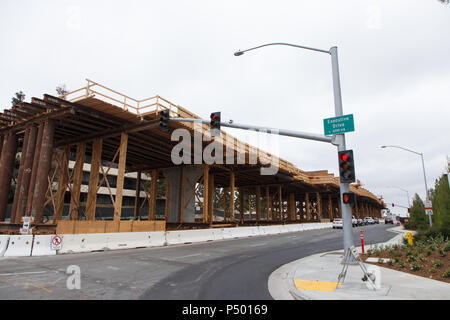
377	221
337	223
360	222
354	221
371	221
367	220
388	220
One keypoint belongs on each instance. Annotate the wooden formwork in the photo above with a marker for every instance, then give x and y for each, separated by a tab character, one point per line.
106	125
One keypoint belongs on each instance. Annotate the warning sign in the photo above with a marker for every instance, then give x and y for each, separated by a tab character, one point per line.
56	242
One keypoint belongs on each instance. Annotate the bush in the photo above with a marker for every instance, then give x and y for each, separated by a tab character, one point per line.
438	263
415	266
446	273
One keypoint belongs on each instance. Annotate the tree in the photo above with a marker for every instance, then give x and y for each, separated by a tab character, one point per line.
18	98
440	199
61	90
417	217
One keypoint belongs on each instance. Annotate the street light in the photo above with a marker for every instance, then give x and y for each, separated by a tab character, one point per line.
424	175
407	194
340	138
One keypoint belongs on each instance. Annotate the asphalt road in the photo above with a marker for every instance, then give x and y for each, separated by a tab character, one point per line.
221	270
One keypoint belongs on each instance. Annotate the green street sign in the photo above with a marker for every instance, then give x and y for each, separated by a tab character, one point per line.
338	125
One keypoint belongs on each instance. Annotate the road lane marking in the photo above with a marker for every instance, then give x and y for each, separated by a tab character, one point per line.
39	287
189	255
22	273
258	244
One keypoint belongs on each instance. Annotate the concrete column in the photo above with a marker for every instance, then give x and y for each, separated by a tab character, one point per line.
6	171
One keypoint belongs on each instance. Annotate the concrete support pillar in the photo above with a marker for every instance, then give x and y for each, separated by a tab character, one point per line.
6	171
45	162
180	200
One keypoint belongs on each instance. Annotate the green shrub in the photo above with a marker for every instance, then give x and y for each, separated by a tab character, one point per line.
446	273
442	253
411	258
447	246
415	266
390	262
433	269
401	264
437	263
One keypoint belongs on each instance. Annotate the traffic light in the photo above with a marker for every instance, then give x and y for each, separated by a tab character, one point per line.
346	166
164	120
348	197
215	124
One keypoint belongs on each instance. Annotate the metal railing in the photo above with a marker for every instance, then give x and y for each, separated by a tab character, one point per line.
138	107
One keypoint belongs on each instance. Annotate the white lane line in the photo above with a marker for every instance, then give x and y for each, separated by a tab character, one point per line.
189	255
21	273
258	245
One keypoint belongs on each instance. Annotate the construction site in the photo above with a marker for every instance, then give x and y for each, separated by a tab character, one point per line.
95	161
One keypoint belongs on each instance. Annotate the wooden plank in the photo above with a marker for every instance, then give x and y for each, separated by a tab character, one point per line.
267	204
181	213
93	179
258	203
292	211
308	207
137	196
280	194
232	188
211	191
120	176
63	165
77	179
319	206
205	193
241	204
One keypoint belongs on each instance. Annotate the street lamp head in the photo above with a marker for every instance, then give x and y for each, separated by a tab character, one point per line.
238	53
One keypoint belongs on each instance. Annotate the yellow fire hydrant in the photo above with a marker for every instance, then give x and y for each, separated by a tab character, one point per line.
410	238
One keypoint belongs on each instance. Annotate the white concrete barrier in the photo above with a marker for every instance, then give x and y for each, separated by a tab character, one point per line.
42	246
243	232
19	246
189	236
4	239
76	243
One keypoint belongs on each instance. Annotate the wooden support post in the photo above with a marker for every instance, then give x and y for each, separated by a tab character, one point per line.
280	205
211	190
167	204
292	211
6	171
77	177
15	203
225	204
26	175
308	207
180	214
232	196
258	203
96	160
205	193
34	169
319	206
153	192
45	162
249	198
330	208
267	203
120	175
62	183
241	204
137	197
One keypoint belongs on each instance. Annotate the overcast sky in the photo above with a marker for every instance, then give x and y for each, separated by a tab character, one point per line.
393	57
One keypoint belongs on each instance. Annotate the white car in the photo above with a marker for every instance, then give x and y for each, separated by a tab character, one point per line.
337	224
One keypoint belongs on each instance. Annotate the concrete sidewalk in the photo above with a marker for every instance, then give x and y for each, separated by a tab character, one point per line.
317	277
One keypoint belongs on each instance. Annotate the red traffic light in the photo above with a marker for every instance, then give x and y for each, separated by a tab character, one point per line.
344	157
348	198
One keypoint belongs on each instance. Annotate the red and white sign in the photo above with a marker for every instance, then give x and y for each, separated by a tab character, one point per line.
56	242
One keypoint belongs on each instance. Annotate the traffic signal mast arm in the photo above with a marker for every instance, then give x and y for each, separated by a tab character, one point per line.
281	132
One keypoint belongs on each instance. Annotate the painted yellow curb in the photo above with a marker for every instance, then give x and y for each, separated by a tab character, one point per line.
315	285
